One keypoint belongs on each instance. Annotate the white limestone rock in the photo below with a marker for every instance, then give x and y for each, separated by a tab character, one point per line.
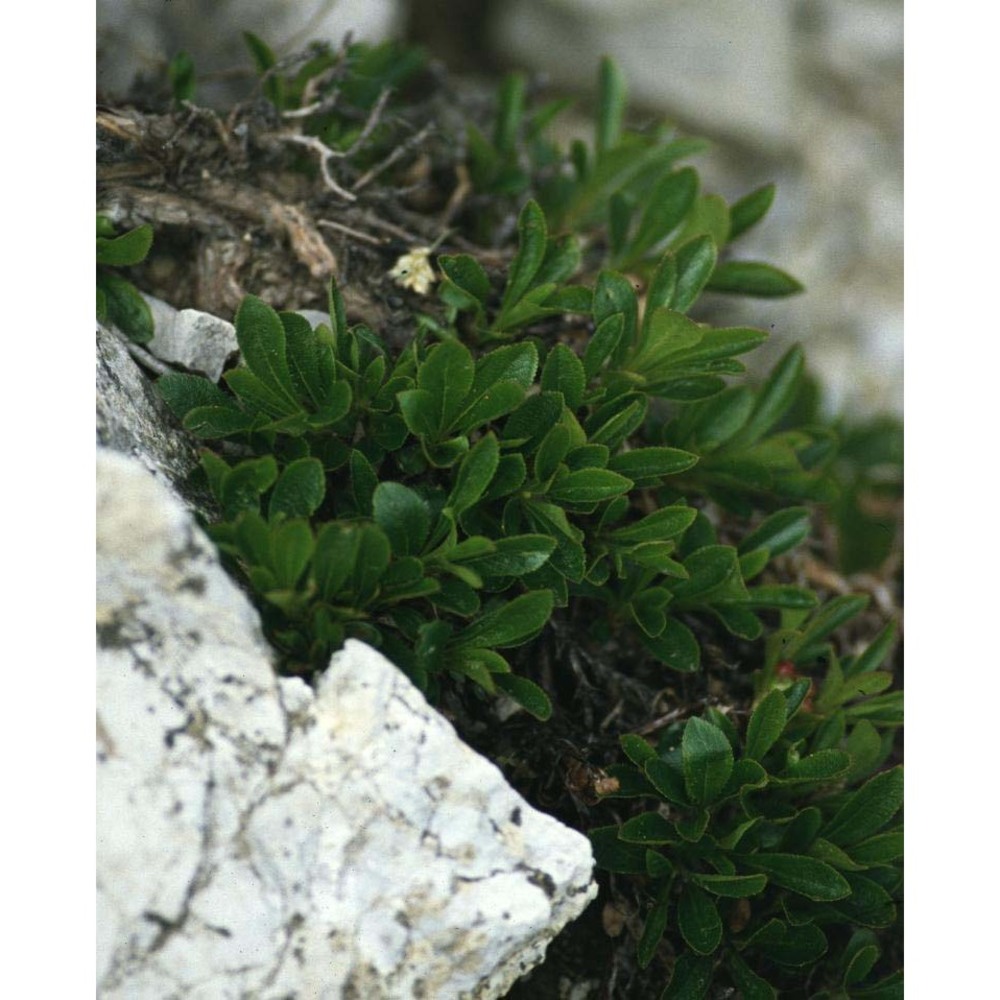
255	839
199	341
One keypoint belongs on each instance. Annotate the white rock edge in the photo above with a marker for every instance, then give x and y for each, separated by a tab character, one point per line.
258	840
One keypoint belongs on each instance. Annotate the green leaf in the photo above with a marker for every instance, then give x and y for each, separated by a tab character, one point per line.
184	393
612	97
655	925
447	375
708	760
882	849
403	515
468	275
588	486
648	828
828	619
125	307
614	294
615	855
291	549
824	765
774	398
750	985
865	747
181	74
564	372
750	209
510	112
637	749
526	693
695	263
875	653
651	463
531	421
698	920
129	248
475	474
668	203
667	780
373	556
745	277
789	945
363	483
766	724
553	449
660	526
868	809
299	490
804	875
603	343
690	979
532	237
515	556
860	956
779	532
419	411
333	557
780	595
261	336
713	573
510	625
675	646
732	886
242	486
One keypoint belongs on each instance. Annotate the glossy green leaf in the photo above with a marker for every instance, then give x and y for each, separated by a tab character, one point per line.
804	875
515	556
690	979
780	532
299	490
467	274
589	486
651	463
184	393
707	758
882	849
447	375
750	985
653	928
603	343
766	724
564	372
662	525
129	248
242	486
875	653
789	945
668	203
612	97
511	624
667	780
648	828
695	263
403	515
698	920
261	336
675	646
824	765
732	886
750	209
334	557
774	398
475	472
868	809
526	693
637	749
553	449
292	547
125	307
745	277
615	855
532	236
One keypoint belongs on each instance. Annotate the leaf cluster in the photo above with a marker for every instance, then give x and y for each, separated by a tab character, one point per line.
773	847
118	300
441	502
625	188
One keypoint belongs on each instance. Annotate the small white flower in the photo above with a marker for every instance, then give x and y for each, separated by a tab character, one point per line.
413	270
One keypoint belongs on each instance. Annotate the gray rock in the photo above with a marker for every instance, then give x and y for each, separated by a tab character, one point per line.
199	341
257	839
133	419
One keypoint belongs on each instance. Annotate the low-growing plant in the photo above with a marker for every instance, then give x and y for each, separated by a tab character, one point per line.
118	300
774	846
564	432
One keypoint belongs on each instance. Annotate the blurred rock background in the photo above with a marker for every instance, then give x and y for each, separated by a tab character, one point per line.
808	93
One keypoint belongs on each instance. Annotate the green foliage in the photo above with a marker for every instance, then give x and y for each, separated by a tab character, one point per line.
779	848
568	433
118	300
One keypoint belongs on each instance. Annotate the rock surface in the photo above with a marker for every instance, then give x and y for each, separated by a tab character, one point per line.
199	341
258	840
134	420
